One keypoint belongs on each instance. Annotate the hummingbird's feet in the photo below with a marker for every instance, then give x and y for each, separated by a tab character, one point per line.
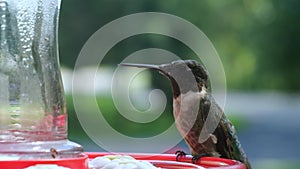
198	156
179	154
195	158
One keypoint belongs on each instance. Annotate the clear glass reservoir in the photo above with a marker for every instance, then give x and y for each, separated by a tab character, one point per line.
33	118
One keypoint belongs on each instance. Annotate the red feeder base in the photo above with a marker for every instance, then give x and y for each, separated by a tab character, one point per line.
167	161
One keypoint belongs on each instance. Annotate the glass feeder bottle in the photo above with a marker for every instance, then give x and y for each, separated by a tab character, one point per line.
33	118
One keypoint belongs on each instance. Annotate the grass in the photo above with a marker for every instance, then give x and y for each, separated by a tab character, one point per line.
118	122
125	126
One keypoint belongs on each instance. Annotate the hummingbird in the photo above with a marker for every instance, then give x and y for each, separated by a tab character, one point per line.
192	103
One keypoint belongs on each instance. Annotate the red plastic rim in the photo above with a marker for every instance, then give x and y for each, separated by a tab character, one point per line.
206	162
167	161
80	162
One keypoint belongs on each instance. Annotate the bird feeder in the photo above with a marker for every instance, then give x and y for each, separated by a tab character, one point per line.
33	117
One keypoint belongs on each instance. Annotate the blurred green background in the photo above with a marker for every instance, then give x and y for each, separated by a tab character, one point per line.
257	40
258	44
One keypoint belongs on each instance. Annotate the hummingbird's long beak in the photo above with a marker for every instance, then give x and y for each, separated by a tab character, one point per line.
161	68
150	66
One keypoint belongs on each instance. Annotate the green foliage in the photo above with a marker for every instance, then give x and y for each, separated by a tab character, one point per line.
257	40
